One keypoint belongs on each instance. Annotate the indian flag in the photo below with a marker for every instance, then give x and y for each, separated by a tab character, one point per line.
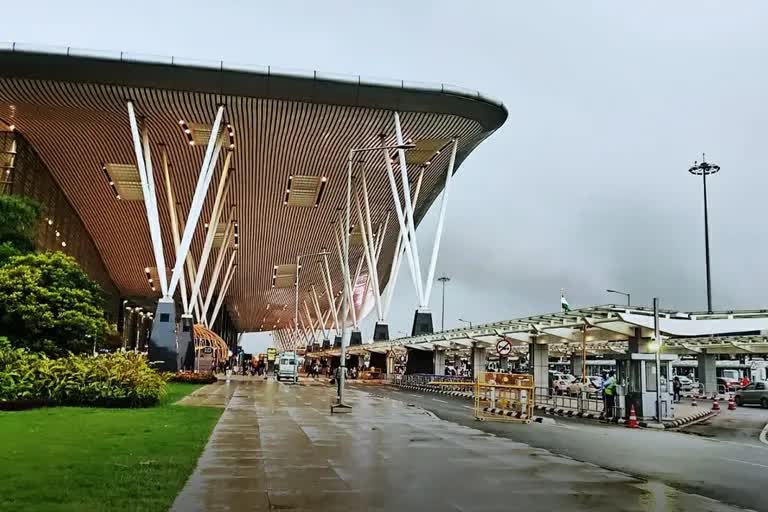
564	303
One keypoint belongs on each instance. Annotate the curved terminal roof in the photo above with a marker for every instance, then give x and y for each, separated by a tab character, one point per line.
71	106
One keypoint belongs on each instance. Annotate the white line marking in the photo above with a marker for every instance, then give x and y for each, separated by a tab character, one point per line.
438	400
764	434
750	463
468	407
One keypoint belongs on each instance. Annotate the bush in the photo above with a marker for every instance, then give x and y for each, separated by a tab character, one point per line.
50	305
192	377
20	219
116	380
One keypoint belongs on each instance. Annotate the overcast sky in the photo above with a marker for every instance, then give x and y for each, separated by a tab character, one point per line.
585	186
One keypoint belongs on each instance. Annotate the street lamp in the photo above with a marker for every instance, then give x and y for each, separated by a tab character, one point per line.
296	284
626	294
345	266
443	279
466	322
704	169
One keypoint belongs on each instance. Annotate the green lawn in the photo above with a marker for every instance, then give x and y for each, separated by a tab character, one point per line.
88	459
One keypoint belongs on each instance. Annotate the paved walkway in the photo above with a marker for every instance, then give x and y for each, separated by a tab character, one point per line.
277	447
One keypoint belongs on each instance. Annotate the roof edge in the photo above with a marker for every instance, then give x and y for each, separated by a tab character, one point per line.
230	79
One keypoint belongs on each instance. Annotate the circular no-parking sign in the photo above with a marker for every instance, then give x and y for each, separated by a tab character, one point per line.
503	347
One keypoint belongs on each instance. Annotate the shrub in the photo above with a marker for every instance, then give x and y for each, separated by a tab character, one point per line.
20	219
50	305
116	380
192	377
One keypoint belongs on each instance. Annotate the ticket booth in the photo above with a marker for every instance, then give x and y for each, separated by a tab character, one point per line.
636	384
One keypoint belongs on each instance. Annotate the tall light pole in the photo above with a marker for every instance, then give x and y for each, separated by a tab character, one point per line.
466	322
626	294
443	279
345	267
704	169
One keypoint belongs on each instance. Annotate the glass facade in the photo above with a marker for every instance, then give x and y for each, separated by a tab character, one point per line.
24	173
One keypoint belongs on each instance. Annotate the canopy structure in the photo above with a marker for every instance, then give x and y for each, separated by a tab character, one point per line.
204	338
221	184
608	330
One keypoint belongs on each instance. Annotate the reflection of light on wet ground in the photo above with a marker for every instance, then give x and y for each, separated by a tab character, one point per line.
659	497
277	446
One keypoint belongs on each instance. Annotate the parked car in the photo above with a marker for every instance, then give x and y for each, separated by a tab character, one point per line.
755	393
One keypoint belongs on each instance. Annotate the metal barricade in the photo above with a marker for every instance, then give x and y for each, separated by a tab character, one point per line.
504	396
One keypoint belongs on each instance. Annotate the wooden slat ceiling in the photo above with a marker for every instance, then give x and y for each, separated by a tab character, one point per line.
78	127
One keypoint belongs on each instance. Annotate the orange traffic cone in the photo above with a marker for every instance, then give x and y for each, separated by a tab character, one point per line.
632	421
715	404
731	404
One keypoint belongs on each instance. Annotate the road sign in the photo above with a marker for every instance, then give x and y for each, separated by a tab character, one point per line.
271	354
503	347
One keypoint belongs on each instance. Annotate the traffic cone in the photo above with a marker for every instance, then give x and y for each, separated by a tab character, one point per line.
632	421
693	400
715	404
731	404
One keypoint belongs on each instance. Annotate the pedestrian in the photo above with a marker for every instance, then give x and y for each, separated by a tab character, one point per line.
676	387
609	394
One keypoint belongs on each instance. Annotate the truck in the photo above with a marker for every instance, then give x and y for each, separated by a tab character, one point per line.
288	367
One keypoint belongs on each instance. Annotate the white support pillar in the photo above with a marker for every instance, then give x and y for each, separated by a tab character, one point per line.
397	258
220	259
381	235
189	263
174	224
347	284
401	219
213	225
440	223
201	189
409	209
225	287
318	311
230	266
143	163
368	253
310	320
329	290
373	263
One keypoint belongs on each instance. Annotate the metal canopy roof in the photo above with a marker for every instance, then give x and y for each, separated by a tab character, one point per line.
607	330
71	106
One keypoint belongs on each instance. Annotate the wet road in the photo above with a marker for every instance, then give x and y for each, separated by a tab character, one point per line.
744	425
733	472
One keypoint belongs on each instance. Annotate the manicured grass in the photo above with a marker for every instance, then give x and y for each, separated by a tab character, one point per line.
89	459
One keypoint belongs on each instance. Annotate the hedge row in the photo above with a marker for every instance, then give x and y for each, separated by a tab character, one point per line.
192	377
117	380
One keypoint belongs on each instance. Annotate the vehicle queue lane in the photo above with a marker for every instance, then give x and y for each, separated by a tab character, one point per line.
730	472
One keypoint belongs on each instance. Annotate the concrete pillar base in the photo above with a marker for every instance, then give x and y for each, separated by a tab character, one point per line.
337	342
326	344
163	348
381	332
438	358
708	372
539	366
355	339
479	360
186	357
422	323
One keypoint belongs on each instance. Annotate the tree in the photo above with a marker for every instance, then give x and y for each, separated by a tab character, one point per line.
17	230
50	305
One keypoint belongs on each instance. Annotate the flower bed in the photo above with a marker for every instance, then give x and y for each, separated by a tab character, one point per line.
116	380
192	377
